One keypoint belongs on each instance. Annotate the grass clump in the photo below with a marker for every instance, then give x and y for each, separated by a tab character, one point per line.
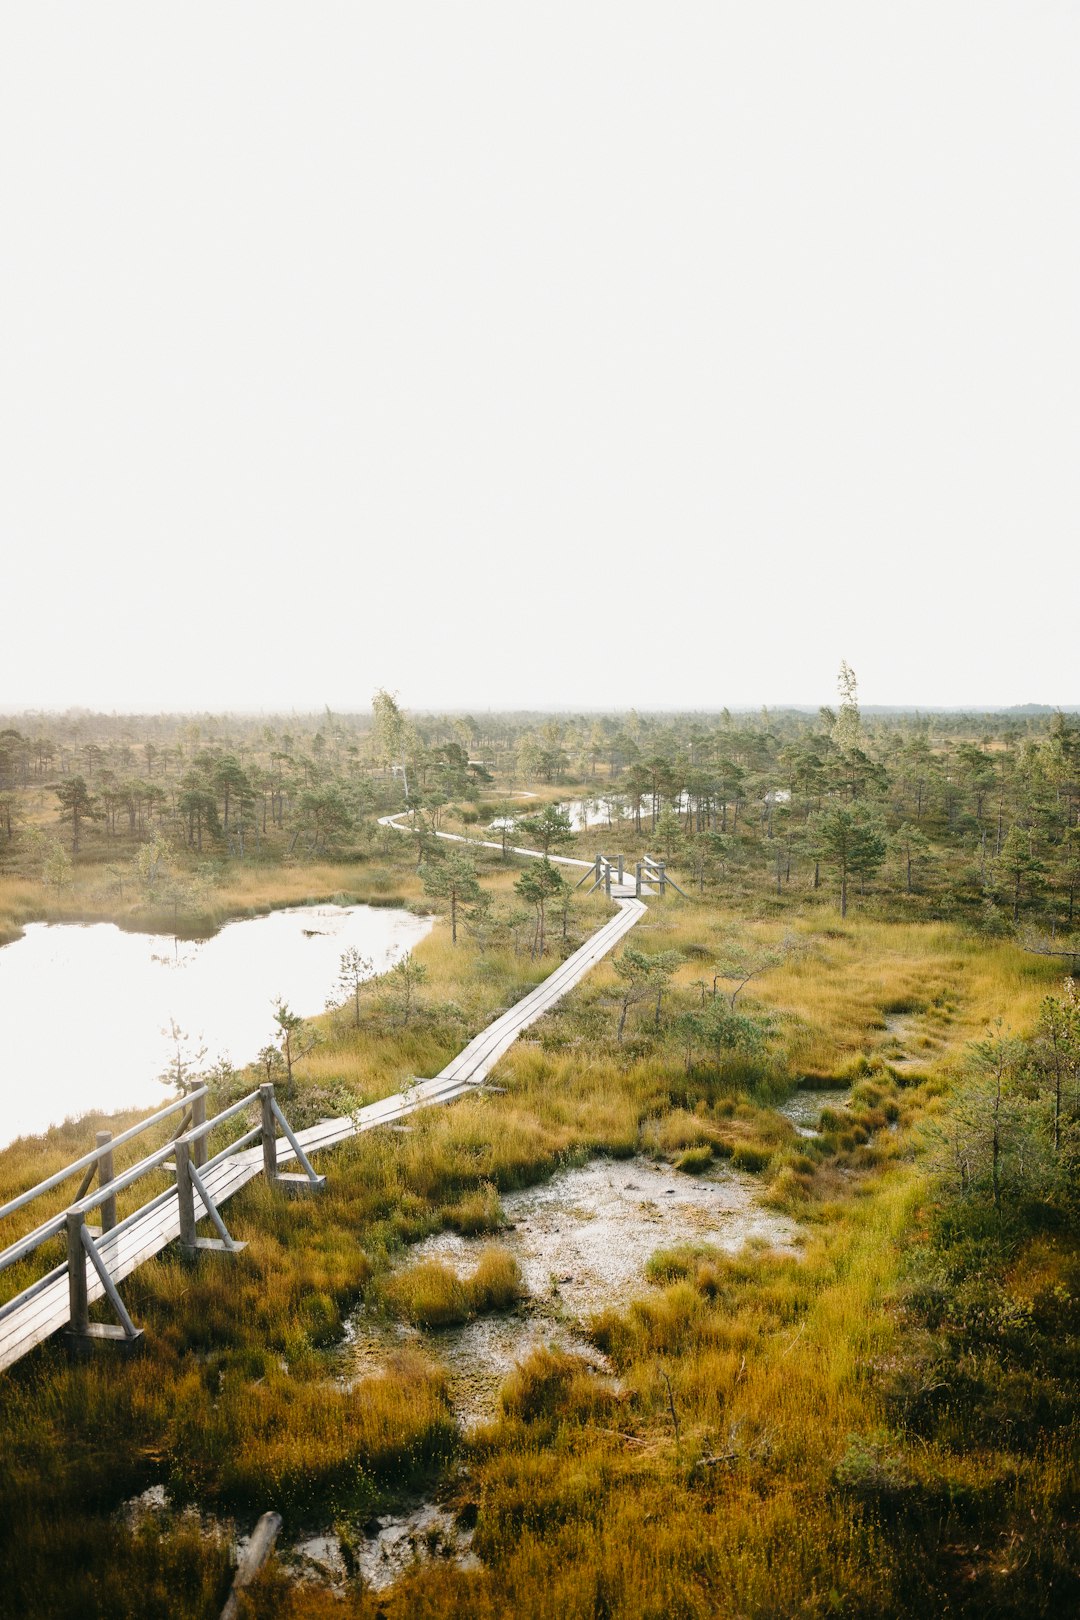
695	1161
496	1283
551	1385
308	1446
683	1261
746	1156
476	1212
430	1294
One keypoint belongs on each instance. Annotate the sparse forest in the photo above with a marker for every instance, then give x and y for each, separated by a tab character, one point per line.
946	815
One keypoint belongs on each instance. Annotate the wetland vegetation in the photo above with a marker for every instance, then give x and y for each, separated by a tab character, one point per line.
859	1016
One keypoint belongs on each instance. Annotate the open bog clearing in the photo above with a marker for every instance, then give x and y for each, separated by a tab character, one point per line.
582	1242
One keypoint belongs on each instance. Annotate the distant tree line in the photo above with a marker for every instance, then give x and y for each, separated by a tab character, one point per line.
976	811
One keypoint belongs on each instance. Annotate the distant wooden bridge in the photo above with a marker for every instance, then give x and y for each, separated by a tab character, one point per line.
98	1258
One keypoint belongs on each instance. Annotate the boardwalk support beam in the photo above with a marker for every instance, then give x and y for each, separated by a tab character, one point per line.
188	1182
269	1131
272	1117
105	1173
198	1123
310	1181
657	872
81	1331
251	1560
596	872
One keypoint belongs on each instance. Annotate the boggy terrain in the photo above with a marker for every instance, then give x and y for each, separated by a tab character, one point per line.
866	1408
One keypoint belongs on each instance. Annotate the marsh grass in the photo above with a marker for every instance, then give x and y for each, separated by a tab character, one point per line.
793	1483
430	1294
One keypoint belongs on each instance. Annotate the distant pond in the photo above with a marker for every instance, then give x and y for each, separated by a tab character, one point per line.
83	1008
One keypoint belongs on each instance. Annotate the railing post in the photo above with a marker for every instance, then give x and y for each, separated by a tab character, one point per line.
637	880
198	1118
660	867
78	1305
269	1130
607	879
185	1196
598	869
621	870
105	1175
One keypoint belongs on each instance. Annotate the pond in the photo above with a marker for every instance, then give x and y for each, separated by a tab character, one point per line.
803	1108
86	1009
599	812
609	810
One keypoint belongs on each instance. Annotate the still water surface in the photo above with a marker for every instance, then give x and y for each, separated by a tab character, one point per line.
83	1009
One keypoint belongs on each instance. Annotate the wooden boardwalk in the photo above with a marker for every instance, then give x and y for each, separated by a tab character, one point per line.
43	1309
619	891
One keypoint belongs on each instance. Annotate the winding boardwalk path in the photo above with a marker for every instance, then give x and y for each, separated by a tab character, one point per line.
619	891
42	1310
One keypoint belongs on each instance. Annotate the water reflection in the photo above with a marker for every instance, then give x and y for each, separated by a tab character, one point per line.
83	1008
609	810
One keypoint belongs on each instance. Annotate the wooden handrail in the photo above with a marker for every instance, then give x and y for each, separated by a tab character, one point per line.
199	1131
154	1160
107	1190
143	1167
98	1152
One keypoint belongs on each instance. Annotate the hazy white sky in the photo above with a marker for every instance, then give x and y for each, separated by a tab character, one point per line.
562	354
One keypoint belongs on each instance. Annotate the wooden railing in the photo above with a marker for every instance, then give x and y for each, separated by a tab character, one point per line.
186	1156
99	1161
607	869
657	872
